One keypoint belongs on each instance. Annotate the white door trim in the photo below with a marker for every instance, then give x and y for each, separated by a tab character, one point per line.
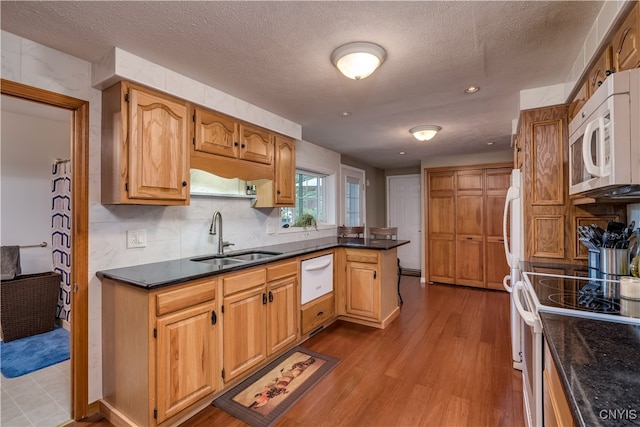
346	171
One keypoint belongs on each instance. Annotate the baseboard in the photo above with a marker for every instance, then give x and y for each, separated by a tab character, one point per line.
411	272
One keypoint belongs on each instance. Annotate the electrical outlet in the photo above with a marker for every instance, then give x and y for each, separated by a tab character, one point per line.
136	239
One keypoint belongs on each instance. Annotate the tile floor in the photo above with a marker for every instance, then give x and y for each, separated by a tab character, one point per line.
39	399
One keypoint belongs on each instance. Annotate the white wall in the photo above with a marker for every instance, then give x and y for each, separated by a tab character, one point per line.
30	145
172	232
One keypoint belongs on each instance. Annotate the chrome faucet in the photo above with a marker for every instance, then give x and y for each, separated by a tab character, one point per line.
213	230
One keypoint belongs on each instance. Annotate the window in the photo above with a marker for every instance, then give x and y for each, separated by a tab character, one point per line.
353	202
311	198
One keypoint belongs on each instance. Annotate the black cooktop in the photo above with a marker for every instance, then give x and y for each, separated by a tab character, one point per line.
576	293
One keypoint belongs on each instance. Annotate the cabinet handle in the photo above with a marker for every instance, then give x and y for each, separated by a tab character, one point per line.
375	274
469	238
264	298
214	317
270	296
184	183
320	313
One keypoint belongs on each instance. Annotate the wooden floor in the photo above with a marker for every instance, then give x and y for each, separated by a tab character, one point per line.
446	361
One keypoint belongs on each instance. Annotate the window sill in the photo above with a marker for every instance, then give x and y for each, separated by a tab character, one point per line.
291	230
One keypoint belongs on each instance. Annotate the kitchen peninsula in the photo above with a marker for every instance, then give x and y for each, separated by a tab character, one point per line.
175	334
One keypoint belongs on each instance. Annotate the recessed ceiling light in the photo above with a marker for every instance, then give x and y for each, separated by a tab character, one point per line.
489	143
402	153
344	114
472	89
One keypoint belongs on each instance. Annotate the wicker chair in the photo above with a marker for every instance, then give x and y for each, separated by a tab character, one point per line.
388	233
357	231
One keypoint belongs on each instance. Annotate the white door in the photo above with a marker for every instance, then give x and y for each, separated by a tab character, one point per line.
403	211
353	197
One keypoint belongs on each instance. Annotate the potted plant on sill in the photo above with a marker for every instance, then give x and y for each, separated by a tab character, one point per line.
306	220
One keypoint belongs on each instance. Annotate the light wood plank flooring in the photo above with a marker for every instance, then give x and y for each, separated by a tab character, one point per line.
446	361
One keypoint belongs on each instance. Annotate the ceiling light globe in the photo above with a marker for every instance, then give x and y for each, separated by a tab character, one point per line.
358	60
425	133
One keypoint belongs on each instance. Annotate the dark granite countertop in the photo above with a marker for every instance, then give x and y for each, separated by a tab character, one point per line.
599	365
166	273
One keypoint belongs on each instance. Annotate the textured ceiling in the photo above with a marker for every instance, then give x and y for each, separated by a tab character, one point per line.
276	55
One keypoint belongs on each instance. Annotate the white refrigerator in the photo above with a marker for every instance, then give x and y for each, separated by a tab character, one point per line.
513	235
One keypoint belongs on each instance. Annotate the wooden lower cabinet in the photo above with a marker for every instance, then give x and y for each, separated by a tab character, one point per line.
282	306
245	316
260	305
363	296
370	286
557	412
160	351
187	342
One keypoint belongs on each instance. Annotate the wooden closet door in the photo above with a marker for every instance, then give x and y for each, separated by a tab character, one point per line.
470	227
441	211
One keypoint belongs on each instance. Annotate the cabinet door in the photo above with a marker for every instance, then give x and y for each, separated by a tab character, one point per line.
158	149
256	144
363	290
216	134
282	322
496	267
626	43
285	172
546	204
598	73
244	336
186	358
441	220
469	261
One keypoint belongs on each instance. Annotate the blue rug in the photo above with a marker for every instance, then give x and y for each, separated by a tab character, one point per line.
29	354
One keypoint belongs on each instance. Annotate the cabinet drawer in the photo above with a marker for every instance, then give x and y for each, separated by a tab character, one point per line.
280	270
243	280
317	312
362	255
188	296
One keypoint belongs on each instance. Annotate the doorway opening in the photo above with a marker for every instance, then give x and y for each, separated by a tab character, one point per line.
79	257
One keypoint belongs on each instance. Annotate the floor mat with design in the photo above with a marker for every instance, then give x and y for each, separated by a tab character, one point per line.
266	395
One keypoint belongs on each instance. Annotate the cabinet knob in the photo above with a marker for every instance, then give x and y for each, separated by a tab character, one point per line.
278	192
270	296
242	146
184	183
235	144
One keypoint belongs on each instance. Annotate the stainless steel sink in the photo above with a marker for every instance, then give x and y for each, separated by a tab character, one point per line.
214	260
230	259
253	256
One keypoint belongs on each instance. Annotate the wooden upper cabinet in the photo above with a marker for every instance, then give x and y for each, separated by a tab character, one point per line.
285	171
145	151
215	133
256	144
600	71
626	43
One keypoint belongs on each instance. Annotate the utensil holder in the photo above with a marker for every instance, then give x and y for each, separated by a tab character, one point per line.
614	263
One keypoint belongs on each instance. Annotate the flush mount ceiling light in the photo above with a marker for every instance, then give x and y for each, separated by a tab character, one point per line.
344	114
425	132
472	89
358	60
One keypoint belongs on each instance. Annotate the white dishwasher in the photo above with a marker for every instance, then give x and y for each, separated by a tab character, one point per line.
317	277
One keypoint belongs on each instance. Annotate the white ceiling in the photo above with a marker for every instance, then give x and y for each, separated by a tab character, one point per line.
276	55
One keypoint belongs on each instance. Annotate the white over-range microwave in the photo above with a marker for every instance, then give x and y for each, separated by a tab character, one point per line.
604	140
